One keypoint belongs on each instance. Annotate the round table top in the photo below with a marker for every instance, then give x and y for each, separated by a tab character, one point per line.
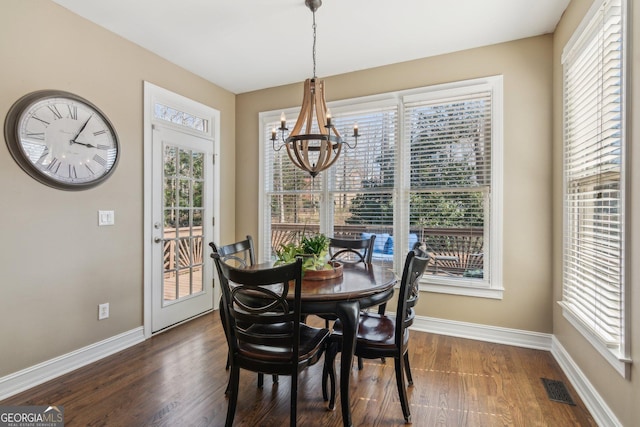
357	281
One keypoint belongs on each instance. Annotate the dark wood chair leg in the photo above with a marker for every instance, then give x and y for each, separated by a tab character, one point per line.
407	369
294	400
325	377
234	380
275	378
332	379
381	310
402	391
260	380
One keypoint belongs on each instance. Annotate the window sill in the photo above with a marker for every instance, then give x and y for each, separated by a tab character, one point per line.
622	365
462	289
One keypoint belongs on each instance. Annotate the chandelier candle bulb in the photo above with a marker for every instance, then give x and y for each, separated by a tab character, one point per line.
355	129
328	118
283	121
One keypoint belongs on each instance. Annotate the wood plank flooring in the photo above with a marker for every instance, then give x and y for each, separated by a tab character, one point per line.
178	379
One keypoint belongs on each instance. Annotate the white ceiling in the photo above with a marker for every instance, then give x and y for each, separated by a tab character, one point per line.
245	45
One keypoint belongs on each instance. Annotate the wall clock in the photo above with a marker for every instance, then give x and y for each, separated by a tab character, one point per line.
61	139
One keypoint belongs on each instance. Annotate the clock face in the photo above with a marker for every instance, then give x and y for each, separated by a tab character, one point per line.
61	140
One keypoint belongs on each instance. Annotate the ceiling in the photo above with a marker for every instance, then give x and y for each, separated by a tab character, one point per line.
246	45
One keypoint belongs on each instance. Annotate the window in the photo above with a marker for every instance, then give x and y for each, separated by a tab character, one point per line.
181	118
594	185
426	168
448	135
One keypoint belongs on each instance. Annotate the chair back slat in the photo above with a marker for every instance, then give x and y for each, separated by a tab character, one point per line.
263	300
351	251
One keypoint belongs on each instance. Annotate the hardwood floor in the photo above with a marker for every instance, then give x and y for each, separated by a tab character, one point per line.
178	379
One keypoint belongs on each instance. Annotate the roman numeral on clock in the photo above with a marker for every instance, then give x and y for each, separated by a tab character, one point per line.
43	156
100	160
36	135
54	165
55	111
42	121
73	112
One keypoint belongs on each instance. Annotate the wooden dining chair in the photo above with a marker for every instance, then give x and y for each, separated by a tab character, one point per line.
238	254
264	331
352	251
384	336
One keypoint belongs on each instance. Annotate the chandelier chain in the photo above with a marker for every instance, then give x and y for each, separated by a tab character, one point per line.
314	43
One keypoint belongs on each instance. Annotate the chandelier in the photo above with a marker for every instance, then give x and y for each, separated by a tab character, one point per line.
309	151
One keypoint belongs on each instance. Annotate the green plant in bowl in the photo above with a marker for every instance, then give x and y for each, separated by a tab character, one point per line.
312	249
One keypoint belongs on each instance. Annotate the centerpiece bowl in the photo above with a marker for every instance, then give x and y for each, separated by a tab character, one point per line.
326	274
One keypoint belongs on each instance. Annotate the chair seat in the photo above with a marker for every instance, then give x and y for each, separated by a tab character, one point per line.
374	331
311	339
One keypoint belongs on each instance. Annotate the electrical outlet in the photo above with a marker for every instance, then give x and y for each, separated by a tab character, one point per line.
103	311
106	218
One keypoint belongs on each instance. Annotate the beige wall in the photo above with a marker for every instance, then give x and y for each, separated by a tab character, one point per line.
56	264
620	395
527	69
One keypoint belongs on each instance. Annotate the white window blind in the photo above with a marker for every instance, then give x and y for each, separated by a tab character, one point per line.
593	275
449	141
292	196
361	185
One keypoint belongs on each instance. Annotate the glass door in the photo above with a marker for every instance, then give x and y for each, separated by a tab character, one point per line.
183	279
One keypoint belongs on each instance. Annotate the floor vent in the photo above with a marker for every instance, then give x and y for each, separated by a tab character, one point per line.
557	391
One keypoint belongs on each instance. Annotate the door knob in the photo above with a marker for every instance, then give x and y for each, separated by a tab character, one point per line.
157	240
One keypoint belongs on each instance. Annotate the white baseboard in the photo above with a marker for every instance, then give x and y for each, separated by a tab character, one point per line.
30	377
595	404
592	400
474	331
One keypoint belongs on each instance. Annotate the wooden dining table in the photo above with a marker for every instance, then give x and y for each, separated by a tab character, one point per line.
360	286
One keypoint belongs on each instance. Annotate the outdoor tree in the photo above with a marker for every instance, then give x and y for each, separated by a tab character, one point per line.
447	172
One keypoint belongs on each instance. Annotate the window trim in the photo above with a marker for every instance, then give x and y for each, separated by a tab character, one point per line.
620	359
493	287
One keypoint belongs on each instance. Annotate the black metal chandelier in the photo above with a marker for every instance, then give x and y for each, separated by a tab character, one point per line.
309	151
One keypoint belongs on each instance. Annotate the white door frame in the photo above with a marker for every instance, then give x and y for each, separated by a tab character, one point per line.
154	94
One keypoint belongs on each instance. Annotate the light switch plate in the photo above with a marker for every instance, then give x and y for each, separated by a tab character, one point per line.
106	218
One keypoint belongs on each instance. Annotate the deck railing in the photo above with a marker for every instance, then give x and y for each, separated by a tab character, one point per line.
182	250
454	251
